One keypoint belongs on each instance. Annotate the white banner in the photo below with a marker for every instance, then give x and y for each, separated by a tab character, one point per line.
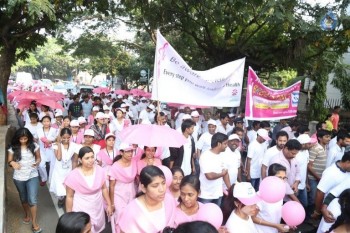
175	82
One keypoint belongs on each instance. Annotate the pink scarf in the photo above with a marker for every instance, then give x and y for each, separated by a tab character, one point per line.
103	156
120	174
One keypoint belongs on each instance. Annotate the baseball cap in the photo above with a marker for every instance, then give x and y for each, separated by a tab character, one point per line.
238	120
264	134
125	147
151	106
143	98
105	107
123	105
96	108
212	122
89	132
81	120
304	138
245	192
100	115
230	115
194	114
58	112
234	136
186	116
120	97
109	135
74	123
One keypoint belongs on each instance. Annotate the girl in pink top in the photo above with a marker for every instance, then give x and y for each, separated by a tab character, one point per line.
148	158
122	189
77	136
153	209
86	189
174	188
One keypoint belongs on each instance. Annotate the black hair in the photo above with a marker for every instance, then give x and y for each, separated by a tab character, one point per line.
322	132
218	138
293	144
116	110
48	117
237	129
84	150
336	107
156	115
282	133
147	175
229	204
346	157
342	135
328	116
191	180
264	124
118	157
35	110
275	168
294	124
192	227
144	153
34	115
65	131
223	115
16	145
177	169
66	117
72	222
255	123
303	129
45	106
188	123
344	217
319	125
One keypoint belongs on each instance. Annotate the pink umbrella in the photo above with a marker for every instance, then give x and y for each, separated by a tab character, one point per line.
138	92
152	135
122	92
99	90
49	102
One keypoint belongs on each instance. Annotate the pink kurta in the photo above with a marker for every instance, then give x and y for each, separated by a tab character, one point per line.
181	217
124	191
78	138
88	199
141	164
136	219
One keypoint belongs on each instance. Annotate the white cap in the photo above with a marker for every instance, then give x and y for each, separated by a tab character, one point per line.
230	115
105	107
58	112
109	135
151	106
143	98
74	123
194	114
245	192
121	109
186	116
192	108
96	108
233	137
212	122
305	138
81	120
100	115
89	132
120	97
123	105
108	116
182	107
130	98
125	147
264	134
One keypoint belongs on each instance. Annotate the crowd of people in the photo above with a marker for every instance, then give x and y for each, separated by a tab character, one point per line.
79	154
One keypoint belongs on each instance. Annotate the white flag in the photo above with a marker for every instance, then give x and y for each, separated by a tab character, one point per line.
175	82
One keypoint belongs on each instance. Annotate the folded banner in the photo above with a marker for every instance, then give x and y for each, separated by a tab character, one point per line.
174	81
263	103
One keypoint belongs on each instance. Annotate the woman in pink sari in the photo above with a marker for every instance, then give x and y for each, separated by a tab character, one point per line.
106	156
174	188
153	209
122	189
86	190
147	159
77	136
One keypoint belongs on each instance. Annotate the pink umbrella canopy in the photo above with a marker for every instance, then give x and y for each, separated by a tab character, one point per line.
122	92
99	90
152	135
137	92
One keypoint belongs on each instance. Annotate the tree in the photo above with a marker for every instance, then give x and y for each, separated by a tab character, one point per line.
272	35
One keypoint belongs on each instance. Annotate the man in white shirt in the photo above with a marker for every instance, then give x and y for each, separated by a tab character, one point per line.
222	124
212	171
251	134
134	108
197	127
336	152
87	106
204	142
146	114
256	150
232	159
281	140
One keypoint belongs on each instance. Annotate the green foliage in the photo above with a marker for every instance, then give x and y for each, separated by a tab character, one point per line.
341	81
281	79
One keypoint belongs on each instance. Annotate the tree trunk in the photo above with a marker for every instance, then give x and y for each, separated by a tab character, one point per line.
7	58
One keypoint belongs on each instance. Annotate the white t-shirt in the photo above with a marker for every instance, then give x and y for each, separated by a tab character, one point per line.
237	224
334	154
135	111
255	153
232	162
33	129
252	135
220	128
271	212
204	142
144	115
331	177
271	152
303	159
210	162
186	160
337	190
332	142
334	208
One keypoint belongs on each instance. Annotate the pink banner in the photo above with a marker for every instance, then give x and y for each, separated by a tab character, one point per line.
263	103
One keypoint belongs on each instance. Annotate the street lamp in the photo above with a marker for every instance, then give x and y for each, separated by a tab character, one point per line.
145	77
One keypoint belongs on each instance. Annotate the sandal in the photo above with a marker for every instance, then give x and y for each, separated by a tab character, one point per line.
37	230
26	222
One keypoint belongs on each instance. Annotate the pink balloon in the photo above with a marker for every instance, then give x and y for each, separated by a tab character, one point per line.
210	213
272	189
293	213
168	175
